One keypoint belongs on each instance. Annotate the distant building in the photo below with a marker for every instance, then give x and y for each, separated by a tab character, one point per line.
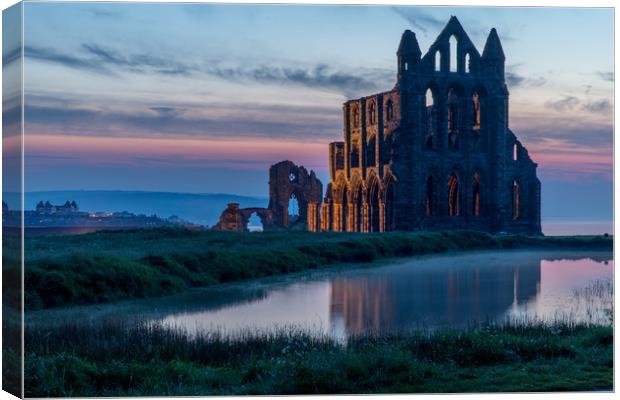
49	208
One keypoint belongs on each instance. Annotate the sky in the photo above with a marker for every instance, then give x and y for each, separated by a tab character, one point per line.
204	98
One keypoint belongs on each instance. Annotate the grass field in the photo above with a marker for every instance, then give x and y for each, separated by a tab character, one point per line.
115	360
109	266
109	358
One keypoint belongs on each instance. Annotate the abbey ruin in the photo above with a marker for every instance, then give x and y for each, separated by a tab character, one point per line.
435	152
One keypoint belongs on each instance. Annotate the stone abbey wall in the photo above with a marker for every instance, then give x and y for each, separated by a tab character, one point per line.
287	181
436	151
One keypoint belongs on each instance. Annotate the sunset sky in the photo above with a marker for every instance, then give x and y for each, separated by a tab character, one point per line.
203	98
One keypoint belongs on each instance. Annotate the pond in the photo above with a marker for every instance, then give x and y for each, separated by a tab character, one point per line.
442	291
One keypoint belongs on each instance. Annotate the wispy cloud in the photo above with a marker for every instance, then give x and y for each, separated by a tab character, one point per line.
319	76
166	121
515	80
143	63
572	103
67	60
567	103
599	106
107	61
419	20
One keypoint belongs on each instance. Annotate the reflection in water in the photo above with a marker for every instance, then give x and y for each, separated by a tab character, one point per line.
449	296
440	291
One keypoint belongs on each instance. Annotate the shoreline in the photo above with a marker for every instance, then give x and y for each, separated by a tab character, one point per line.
94	268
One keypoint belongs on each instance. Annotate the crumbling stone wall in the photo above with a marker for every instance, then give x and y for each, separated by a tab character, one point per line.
285	181
236	219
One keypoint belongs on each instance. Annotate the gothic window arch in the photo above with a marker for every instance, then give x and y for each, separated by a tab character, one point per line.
345	211
293	208
476	195
389	110
355	155
430	119
467	63
372	113
374	208
515	152
371	149
453	42
476	111
437	61
359	210
453	195
356	117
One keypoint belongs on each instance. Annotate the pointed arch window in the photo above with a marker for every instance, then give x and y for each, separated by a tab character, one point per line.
430	119
453	54
372	113
389	110
437	61
515	152
467	62
371	148
355	155
475	106
476	194
356	117
453	196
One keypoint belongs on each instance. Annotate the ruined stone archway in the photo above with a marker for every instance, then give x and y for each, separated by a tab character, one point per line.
287	179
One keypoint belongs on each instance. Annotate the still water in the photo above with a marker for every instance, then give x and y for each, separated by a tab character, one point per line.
454	291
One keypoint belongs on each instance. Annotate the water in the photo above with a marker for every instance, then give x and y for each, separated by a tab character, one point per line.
434	292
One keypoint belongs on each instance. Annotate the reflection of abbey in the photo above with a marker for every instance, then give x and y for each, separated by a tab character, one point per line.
435	152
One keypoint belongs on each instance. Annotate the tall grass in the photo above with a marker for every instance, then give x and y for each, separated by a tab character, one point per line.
112	358
109	266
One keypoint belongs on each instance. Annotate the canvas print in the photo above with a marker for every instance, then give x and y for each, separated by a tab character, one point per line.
278	199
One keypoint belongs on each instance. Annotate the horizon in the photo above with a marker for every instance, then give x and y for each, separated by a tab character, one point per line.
125	105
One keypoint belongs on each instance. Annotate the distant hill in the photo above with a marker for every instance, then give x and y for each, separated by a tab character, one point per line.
203	208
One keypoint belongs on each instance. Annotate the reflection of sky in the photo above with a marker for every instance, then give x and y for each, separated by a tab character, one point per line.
230	89
303	306
443	291
559	281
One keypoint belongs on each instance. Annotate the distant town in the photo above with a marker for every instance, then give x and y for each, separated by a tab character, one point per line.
68	216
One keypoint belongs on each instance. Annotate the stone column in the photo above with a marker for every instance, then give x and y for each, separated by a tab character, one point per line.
381	216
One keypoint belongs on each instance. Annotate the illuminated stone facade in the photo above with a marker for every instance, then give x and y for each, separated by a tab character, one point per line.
435	152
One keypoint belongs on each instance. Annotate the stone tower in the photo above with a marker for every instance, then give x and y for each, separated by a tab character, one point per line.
436	151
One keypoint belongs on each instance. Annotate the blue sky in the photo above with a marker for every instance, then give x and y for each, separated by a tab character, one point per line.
203	98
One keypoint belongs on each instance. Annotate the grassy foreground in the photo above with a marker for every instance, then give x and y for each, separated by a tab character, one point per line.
116	360
108	266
